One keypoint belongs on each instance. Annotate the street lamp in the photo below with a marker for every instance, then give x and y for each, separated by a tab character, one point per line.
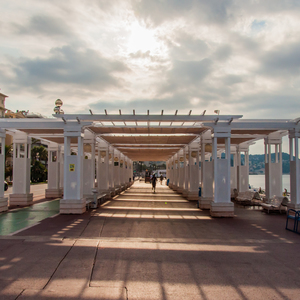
57	109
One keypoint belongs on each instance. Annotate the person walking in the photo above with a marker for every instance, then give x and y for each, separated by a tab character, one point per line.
161	178
154	182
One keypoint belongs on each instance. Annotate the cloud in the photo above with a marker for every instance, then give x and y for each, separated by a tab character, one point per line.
185	74
157	12
44	25
68	66
284	60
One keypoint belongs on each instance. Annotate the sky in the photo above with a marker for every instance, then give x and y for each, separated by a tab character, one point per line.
239	57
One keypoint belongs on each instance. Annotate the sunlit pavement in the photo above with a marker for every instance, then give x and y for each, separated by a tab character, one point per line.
158	246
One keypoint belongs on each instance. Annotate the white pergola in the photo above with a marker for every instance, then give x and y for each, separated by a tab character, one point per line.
115	141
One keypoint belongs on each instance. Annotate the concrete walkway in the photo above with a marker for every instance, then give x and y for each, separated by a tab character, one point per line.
158	246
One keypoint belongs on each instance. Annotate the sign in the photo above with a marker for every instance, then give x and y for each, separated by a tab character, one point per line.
72	167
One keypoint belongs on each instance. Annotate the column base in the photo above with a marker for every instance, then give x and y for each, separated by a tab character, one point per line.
294	206
3	204
193	195
72	206
20	199
175	187
222	209
204	202
180	190
53	193
112	191
185	193
107	192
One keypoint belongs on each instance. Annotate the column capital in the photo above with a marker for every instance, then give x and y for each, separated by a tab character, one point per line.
293	133
272	140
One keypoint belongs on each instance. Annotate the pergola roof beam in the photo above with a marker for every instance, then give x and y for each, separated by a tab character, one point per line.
149	118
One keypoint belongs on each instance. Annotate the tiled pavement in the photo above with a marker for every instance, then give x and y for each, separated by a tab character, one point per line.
158	246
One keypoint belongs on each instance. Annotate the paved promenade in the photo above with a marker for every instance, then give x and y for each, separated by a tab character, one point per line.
158	246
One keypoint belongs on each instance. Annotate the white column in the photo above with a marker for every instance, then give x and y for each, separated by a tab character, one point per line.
61	168
180	171
171	181
122	169
21	170
175	177
186	172
103	168
294	169
117	181
206	172
88	165
242	169
233	167
3	201
73	201
54	190
193	187
111	170
273	170
221	206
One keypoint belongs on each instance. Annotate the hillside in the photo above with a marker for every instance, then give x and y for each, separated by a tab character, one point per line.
257	163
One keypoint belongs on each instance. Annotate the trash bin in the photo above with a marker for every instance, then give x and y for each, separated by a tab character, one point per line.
199	191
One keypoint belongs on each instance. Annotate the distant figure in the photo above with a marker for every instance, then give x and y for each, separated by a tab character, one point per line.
161	178
259	190
285	192
154	182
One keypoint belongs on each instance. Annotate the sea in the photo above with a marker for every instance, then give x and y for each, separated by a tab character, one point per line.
257	181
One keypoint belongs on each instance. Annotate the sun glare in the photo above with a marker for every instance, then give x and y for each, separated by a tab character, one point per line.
141	39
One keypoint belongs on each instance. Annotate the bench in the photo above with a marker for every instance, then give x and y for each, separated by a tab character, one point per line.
276	203
96	201
248	198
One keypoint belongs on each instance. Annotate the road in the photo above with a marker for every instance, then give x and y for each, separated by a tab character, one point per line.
38	190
